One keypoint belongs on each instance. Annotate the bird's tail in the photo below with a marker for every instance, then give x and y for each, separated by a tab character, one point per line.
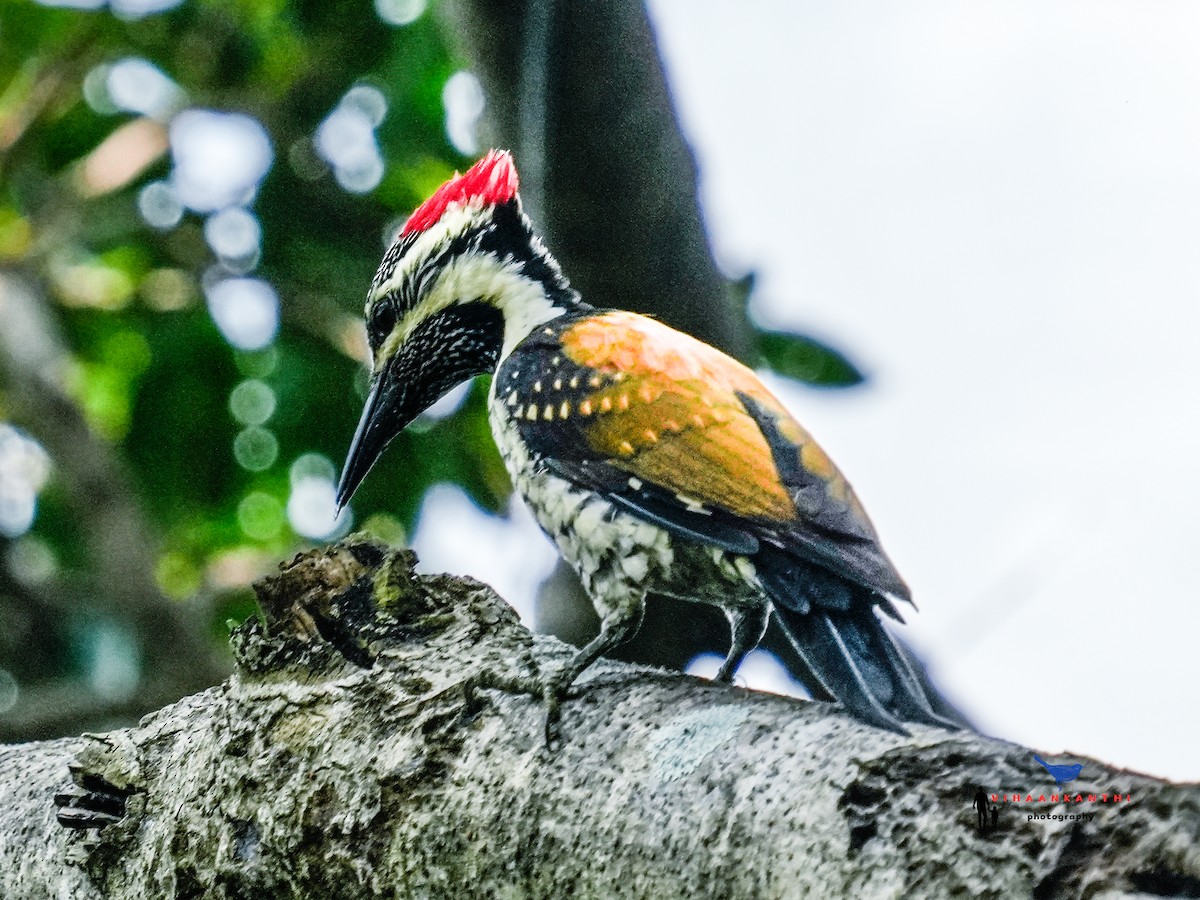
857	661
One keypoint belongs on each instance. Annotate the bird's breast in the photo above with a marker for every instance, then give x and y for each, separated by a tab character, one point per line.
615	553
612	552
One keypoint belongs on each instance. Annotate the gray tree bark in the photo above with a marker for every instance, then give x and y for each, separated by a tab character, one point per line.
349	756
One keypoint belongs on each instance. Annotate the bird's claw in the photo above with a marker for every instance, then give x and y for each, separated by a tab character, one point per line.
551	691
553	708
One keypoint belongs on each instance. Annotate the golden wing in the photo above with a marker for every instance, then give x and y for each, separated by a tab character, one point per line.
695	439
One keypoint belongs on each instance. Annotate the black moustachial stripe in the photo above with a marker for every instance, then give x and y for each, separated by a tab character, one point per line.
448	348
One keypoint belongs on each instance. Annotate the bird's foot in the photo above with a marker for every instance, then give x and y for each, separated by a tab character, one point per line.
551	691
726	673
509	684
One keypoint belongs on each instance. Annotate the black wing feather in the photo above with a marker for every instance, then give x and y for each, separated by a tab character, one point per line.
655	505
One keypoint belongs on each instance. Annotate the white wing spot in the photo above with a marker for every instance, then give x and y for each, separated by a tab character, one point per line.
745	568
636	567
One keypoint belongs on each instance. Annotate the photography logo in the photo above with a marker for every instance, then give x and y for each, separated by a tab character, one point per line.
1038	803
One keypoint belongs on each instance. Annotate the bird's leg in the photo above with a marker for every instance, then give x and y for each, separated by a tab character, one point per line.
509	684
619	623
747	625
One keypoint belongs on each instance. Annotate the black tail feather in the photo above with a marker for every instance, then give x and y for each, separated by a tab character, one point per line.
857	661
913	703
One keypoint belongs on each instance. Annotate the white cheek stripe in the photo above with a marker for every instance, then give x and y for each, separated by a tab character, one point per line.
482	276
457	218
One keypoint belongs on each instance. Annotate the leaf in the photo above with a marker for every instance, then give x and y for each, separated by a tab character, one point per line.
807	359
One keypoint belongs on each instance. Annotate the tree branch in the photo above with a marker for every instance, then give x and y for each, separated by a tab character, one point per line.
349	757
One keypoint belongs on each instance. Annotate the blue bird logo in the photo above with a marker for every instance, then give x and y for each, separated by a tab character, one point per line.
1061	774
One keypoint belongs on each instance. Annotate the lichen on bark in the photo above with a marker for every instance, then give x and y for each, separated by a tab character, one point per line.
346	758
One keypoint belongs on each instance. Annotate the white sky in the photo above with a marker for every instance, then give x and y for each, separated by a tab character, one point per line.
995	208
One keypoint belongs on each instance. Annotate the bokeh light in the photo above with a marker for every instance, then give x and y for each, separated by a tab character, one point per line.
24	468
124	9
235	236
136	85
246	311
137	9
252	402
219	158
399	12
168	290
346	139
73	4
312	507
113	661
160	205
255	449
463	99
31	560
312	465
260	516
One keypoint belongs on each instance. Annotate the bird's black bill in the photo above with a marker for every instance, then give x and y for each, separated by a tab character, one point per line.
360	457
384	416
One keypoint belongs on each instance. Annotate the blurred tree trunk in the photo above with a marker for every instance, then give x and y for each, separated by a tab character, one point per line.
174	652
347	758
583	102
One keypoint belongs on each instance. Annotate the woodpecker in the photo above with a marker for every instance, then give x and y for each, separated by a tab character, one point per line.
656	463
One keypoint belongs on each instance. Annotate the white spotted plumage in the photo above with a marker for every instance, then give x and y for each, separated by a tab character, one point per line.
616	555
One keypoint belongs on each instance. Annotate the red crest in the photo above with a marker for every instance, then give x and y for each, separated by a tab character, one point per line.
493	180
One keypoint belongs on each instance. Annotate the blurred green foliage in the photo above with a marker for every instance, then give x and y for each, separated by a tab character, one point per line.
147	367
807	359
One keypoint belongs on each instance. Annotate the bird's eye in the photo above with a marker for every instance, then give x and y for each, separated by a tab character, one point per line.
382	321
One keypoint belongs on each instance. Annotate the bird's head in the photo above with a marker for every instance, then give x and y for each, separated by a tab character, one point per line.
464	281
